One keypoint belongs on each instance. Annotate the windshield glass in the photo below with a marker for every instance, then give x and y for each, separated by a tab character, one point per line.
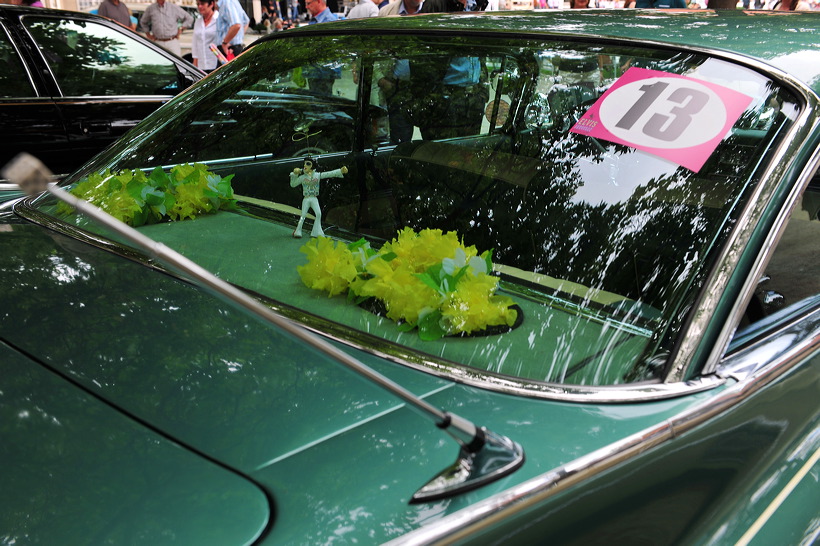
538	210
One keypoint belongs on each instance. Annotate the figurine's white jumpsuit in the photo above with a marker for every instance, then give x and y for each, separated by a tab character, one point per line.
310	191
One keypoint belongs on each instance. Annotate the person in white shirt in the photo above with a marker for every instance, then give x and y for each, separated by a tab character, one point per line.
401	7
365	8
204	35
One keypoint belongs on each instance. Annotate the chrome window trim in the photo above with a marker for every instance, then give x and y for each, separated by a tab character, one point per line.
750	361
110	99
714	363
25	29
26	67
466	523
729	258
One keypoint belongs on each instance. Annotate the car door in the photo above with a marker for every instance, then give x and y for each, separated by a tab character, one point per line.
29	119
108	78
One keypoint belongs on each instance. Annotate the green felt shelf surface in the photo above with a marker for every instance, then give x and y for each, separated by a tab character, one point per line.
553	343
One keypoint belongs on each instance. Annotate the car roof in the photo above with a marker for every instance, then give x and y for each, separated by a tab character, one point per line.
785	40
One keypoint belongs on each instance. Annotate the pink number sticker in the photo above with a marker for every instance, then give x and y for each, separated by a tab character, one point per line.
678	118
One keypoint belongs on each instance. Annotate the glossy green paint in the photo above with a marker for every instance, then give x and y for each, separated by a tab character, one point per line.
338	457
320	440
77	471
707	486
795	493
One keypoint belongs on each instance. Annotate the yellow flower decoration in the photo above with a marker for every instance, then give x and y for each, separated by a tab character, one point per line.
404	295
330	266
428	280
424	249
473	307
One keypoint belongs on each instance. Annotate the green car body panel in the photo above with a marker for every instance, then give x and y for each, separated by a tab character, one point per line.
76	471
203	391
143	409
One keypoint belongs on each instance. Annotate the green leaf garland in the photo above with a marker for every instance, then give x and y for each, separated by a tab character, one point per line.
187	191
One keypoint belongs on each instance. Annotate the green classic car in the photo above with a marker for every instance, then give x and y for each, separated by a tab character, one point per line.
479	278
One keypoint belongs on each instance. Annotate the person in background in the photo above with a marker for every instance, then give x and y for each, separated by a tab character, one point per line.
365	8
163	22
790	5
204	35
294	11
269	18
231	22
276	10
456	90
401	7
116	11
320	12
267	15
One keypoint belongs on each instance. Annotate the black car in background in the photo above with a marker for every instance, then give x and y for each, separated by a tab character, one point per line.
71	83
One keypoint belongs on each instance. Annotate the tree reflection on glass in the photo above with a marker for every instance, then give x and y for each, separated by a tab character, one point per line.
606	245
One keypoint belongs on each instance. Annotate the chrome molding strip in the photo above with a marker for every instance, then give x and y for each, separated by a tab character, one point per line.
39	50
635	392
799	335
778	501
118	99
470	522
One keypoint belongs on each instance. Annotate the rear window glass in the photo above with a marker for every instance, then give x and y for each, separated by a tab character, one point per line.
541	211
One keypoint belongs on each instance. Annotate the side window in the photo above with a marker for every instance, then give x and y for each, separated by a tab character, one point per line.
793	274
89	59
14	82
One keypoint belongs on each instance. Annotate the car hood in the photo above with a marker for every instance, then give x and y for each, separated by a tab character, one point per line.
338	455
77	471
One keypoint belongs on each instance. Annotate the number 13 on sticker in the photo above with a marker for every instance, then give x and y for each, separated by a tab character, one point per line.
675	117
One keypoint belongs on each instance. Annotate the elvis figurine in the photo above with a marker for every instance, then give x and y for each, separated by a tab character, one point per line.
309	179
